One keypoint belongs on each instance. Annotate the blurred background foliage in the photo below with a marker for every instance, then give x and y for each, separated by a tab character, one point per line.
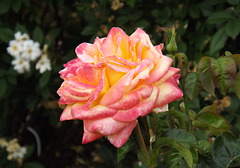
29	100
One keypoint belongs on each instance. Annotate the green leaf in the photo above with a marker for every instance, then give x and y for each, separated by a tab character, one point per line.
204	147
225	149
185	152
20	28
158	123
236	57
174	159
131	3
122	151
212	122
200	134
182	63
16	5
193	85
233	28
44	79
236	85
218	40
205	162
6	34
38	35
224	72
206	76
179	115
32	164
233	2
194	11
30	150
89	30
5	6
219	17
182	137
211	108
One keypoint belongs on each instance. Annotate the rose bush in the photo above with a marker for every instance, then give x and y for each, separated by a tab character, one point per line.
114	81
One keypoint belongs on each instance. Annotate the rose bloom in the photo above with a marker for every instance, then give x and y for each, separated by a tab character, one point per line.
114	81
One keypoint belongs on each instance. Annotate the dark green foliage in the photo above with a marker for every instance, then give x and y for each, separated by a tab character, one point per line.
196	134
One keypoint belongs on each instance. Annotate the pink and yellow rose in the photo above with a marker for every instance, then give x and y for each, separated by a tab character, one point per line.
114	81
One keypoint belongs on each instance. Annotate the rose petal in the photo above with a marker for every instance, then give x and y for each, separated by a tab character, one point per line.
105	126
131	99
159	70
143	73
121	137
144	107
168	93
66	88
66	114
146	48
95	112
116	43
161	109
115	93
90	136
68	98
87	52
171	72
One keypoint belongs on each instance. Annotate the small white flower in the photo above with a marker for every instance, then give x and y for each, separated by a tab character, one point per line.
21	37
19	153
31	50
43	64
21	65
14	48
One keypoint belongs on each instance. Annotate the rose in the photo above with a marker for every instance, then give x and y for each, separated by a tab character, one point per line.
114	81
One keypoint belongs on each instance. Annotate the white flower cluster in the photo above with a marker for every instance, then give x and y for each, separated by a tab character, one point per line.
24	50
15	151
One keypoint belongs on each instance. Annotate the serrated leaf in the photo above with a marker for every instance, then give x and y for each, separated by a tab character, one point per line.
236	85
225	149
193	85
38	35
206	77
219	17
233	28
185	152
218	40
224	72
174	158
204	147
6	34
212	122
182	137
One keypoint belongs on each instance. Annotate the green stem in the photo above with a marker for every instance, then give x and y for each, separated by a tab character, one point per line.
185	100
146	128
141	142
